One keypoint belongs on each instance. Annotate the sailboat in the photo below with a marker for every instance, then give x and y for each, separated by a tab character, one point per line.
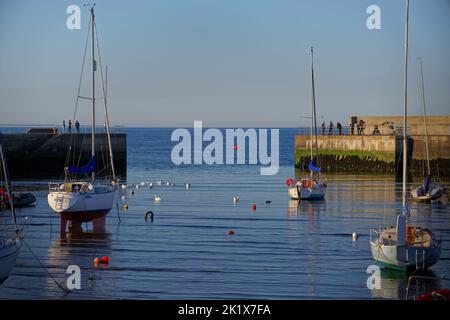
404	245
309	188
89	198
10	243
428	191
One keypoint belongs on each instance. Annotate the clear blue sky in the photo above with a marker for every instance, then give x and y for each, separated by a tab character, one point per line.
226	62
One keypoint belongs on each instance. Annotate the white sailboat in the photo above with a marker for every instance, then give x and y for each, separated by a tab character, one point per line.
404	245
10	242
428	191
310	188
88	199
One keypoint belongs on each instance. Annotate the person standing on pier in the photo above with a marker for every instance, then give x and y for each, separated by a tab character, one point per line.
339	127
361	126
77	126
323	128
352	128
70	125
64	126
330	131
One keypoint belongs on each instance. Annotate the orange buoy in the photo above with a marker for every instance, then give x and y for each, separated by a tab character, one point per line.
254	207
105	259
96	261
230	232
125	207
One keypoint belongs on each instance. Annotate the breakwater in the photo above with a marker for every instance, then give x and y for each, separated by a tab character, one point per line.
44	155
375	154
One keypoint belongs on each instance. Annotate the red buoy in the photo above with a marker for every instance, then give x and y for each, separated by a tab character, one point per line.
105	259
230	232
96	261
254	207
235	147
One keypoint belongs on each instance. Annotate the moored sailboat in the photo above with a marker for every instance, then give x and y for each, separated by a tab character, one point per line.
404	245
10	240
309	188
89	198
428	191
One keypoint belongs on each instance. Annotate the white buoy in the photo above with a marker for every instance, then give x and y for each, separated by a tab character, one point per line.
124	186
123	198
156	198
236	199
150	185
354	236
142	184
187	185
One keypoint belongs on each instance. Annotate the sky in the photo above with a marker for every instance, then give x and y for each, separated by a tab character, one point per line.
236	63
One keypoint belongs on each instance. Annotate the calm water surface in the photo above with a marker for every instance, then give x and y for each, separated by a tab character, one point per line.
283	250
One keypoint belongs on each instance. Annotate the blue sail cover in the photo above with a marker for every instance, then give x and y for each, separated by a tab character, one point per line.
426	184
312	167
88	168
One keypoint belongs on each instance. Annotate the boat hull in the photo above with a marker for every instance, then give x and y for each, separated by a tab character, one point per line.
8	256
306	193
405	257
81	206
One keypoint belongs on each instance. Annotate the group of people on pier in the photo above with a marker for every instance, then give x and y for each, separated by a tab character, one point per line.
77	126
360	126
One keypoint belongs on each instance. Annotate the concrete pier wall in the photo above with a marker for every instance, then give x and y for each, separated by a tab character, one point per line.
375	154
43	156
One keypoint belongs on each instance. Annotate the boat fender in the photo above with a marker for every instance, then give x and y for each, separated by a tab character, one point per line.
149	213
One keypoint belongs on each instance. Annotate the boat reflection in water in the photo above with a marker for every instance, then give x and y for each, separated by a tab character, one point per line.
79	249
394	284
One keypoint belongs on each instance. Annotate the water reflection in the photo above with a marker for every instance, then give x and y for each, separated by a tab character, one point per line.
394	284
80	249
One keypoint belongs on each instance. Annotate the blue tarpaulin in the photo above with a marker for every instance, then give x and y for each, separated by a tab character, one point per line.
312	167
88	168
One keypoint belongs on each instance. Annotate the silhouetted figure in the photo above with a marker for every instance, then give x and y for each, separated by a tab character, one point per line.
64	125
77	126
376	131
339	127
323	128
70	125
352	128
361	126
330	131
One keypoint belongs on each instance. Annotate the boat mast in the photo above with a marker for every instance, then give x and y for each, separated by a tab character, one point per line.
405	107
424	117
93	88
8	187
313	104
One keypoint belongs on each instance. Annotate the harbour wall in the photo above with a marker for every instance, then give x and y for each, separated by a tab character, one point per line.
44	156
375	154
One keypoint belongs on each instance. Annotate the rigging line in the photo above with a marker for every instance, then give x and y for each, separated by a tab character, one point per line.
82	69
78	90
104	103
46	270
